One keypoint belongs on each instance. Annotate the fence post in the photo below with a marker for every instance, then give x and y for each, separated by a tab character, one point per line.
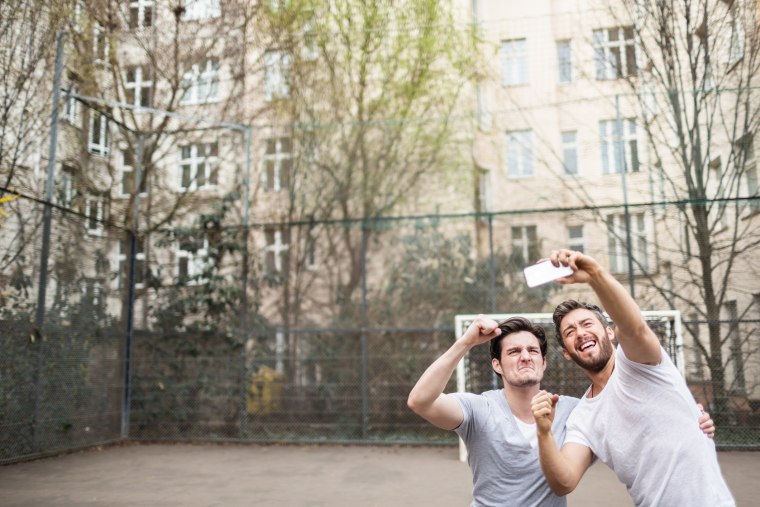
47	212
364	351
130	314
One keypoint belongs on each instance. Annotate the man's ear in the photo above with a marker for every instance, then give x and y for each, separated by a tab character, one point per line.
567	356
610	333
496	366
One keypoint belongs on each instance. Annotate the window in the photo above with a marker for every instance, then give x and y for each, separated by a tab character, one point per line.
750	169
525	245
484	201
482	113
123	256
564	61
95	213
735	38
611	156
310	249
140	14
277	164
200	84
65	187
514	62
575	239
519	153
198	166
138	84
310	51
276	69
616	242
71	106
99	139
615	53
277	244
128	174
91	292
195	10
192	258
570	152
101	46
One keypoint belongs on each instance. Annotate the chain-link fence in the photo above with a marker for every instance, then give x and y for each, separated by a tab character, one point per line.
327	342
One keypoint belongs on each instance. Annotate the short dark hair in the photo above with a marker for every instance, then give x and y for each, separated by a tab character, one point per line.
513	325
568	306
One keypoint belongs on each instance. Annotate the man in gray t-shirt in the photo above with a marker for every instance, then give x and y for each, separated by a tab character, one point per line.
497	426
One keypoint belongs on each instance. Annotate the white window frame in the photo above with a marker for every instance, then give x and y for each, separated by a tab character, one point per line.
140	7
65	186
276	72
200	84
607	144
519	154
564	61
71	105
94	222
280	160
569	140
735	38
616	243
99	123
309	51
140	86
276	248
196	260
310	257
97	290
482	111
513	55
200	154
198	10
607	65
101	45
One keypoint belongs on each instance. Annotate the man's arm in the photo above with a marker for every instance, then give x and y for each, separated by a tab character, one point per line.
427	398
563	468
634	335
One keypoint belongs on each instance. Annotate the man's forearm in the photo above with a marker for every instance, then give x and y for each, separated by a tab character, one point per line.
560	476
433	381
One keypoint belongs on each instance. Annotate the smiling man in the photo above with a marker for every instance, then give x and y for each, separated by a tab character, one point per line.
637	415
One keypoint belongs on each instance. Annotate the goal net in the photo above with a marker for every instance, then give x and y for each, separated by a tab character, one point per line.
475	375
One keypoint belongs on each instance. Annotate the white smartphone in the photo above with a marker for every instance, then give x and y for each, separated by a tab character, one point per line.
545	272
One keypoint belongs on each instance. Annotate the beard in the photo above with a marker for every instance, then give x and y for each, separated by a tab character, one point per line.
522	381
598	363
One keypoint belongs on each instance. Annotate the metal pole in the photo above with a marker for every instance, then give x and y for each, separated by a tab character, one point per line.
46	219
50	183
131	280
244	282
620	158
491	266
364	351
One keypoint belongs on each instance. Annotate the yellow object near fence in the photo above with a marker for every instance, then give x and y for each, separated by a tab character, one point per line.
266	391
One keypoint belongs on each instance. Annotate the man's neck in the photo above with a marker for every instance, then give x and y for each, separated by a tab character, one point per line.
600	378
519	401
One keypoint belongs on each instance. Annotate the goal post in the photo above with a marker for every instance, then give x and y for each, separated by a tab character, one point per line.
665	323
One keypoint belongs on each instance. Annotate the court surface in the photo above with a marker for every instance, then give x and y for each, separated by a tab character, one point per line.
238	474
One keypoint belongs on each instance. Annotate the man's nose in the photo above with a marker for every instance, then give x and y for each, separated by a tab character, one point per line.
525	354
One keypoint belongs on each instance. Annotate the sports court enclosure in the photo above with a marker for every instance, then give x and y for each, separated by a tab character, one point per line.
145	474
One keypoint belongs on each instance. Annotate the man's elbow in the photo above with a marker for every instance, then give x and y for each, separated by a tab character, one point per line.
414	403
560	489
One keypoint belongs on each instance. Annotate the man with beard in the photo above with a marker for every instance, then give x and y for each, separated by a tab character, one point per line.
497	426
636	415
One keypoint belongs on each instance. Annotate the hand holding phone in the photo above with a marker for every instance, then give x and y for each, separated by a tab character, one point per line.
544	272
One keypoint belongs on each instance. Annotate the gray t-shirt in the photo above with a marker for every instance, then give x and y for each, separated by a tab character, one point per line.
505	468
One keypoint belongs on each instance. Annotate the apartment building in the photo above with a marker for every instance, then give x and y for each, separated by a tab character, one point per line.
576	111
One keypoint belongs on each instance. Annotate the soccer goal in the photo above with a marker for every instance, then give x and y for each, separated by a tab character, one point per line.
474	373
